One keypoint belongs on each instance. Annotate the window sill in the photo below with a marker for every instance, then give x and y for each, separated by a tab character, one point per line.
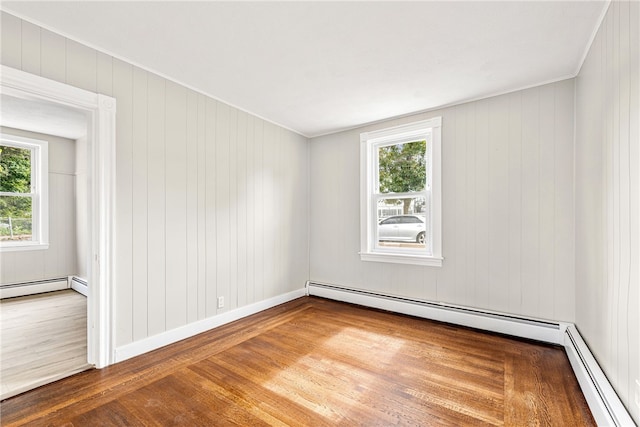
24	247
402	259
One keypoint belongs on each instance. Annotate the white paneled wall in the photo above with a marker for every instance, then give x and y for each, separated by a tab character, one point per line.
60	259
508	227
211	201
608	199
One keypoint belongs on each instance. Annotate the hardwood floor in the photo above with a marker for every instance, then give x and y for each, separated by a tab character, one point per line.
43	338
315	362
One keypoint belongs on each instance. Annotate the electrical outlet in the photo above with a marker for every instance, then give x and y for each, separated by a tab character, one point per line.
637	393
220	302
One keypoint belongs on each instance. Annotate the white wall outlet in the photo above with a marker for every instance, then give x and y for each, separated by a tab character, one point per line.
637	393
220	302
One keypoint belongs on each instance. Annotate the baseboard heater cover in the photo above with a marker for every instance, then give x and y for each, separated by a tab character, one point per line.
604	403
540	330
33	287
79	285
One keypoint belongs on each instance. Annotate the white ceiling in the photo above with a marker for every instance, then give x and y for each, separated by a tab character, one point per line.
320	67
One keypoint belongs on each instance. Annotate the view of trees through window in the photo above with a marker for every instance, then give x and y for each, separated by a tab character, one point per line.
15	194
402	171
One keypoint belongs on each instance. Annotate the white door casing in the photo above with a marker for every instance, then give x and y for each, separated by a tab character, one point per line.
101	133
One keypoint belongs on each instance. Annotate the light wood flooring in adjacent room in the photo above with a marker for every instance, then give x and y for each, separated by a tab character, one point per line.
43	338
315	362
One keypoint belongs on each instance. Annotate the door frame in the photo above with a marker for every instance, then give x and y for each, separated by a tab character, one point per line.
100	111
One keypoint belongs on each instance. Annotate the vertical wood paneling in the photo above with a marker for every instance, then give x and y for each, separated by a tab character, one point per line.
210	208
461	204
564	215
231	298
11	43
30	48
515	202
156	202
176	204
81	66
140	212
530	201
607	196
202	207
123	91
633	295
471	205
268	218
223	207
546	207
498	242
53	57
60	259
104	78
242	207
624	328
482	204
192	206
252	209
259	213
449	183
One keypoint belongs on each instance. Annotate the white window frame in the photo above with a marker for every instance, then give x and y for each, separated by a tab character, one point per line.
39	193
369	144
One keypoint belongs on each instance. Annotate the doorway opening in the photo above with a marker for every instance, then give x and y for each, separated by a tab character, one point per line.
98	119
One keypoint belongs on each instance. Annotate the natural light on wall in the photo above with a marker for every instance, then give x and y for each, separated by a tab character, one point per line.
401	195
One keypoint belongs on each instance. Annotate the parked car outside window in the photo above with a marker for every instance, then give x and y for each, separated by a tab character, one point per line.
402	228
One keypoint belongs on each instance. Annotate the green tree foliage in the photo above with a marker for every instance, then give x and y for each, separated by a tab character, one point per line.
15	169
402	169
15	177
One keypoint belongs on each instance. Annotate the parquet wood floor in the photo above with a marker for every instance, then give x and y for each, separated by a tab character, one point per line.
315	362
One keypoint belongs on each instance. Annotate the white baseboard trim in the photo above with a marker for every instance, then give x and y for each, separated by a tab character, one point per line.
169	337
535	329
79	285
32	288
604	403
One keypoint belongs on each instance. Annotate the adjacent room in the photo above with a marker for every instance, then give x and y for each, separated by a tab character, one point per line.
320	213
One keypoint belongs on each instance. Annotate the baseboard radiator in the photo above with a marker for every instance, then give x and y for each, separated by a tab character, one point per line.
78	284
604	403
33	287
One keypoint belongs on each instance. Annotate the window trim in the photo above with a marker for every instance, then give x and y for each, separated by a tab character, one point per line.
369	141
39	193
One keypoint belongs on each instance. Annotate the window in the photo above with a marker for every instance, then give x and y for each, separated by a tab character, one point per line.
23	193
400	194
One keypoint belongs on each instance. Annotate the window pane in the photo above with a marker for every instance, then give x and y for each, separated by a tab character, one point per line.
402	167
15	218
406	227
15	169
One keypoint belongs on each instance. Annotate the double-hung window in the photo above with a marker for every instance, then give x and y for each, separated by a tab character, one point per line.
401	194
23	193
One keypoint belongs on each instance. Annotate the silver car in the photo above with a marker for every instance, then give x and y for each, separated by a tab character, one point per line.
402	228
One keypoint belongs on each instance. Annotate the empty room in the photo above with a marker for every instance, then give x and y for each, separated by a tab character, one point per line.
320	213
